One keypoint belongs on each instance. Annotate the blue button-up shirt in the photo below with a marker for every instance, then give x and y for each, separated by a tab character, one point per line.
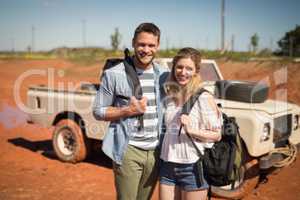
114	85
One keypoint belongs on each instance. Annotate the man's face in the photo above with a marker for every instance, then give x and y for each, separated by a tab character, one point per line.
145	47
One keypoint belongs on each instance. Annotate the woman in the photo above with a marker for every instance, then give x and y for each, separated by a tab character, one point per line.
179	177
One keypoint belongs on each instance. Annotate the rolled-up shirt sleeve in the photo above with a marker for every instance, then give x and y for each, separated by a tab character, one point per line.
104	96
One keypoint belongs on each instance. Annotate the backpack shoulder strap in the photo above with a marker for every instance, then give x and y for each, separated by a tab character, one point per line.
188	105
130	71
132	75
186	109
134	82
111	62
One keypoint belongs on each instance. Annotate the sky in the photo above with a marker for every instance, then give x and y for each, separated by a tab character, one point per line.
194	23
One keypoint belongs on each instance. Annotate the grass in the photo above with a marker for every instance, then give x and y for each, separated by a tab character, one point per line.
27	56
88	56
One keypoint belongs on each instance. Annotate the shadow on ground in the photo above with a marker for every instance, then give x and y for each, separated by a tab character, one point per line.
44	147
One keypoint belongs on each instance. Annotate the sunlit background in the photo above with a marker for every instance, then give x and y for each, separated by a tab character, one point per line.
46	24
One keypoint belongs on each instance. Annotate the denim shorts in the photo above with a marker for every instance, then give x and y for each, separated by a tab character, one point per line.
185	176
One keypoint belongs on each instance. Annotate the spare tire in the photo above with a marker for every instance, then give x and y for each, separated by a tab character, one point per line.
243	91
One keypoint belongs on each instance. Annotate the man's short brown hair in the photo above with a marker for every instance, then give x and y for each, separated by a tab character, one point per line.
149	28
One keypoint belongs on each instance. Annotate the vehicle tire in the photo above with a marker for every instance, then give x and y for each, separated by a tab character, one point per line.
243	91
69	142
248	180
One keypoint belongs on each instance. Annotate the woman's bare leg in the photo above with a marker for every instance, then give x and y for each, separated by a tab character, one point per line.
194	195
169	192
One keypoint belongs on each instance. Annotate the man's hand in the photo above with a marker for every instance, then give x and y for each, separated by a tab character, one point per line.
137	107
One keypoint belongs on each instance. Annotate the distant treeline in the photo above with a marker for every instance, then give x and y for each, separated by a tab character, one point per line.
93	54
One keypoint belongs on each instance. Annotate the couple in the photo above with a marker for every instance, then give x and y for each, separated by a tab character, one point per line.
140	155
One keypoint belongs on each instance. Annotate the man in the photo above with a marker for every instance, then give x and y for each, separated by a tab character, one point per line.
133	135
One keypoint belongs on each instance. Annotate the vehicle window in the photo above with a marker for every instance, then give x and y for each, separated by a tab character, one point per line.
164	62
208	72
169	65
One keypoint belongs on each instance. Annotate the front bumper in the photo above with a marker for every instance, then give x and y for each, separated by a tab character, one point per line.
268	161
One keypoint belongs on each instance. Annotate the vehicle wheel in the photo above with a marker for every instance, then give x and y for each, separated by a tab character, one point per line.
69	142
248	180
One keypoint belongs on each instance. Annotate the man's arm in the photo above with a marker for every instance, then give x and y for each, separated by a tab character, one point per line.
103	109
135	107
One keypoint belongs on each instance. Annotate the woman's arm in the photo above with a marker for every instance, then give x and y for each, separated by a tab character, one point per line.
209	111
200	134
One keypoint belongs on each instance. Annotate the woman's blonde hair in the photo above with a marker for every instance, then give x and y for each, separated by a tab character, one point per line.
172	88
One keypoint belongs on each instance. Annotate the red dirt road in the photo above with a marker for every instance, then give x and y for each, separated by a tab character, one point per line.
30	170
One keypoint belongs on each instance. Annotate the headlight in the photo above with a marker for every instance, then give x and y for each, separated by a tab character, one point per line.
265	132
296	122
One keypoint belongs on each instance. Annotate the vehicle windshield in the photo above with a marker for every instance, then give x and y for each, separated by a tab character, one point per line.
170	64
208	72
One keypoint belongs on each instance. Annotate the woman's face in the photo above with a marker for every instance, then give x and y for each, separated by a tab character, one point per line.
184	71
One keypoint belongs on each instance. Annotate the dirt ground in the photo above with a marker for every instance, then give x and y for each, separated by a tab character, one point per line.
30	170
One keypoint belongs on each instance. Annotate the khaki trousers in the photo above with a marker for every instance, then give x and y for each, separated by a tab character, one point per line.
136	178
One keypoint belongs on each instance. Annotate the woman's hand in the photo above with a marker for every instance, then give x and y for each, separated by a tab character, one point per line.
204	135
186	121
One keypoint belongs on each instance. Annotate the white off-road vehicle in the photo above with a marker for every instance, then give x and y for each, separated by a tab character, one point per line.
269	129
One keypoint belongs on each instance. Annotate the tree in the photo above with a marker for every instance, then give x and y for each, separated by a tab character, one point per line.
115	39
290	43
254	42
